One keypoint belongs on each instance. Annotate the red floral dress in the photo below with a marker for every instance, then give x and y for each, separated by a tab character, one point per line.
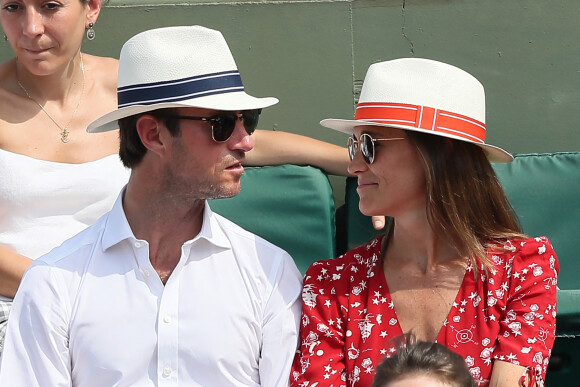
348	316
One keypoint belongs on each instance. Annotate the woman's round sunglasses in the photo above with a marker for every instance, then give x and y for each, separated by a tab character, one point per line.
223	124
367	146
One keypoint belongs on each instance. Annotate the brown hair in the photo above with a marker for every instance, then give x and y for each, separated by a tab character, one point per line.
422	358
131	149
465	199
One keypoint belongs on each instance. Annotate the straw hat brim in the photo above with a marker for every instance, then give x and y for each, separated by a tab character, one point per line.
494	154
227	102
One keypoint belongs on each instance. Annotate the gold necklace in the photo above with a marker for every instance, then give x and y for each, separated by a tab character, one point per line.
64	132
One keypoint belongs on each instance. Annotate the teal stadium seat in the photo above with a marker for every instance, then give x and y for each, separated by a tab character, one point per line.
544	189
288	205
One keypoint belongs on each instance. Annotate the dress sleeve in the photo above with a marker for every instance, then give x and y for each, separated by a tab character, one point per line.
527	333
36	348
320	358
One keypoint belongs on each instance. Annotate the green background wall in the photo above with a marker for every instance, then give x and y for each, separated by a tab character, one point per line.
313	56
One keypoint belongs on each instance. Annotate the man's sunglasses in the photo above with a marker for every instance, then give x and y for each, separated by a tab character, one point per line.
223	124
367	146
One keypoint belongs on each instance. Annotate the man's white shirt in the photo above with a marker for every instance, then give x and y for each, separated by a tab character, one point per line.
93	312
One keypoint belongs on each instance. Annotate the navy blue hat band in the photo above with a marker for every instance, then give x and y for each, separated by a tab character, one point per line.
181	89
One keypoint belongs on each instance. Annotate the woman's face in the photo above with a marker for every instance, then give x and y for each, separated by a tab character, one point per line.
394	184
46	34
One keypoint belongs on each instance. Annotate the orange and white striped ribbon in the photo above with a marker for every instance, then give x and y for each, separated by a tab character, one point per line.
422	117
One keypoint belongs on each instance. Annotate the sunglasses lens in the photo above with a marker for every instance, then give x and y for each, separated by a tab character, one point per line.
223	127
367	148
250	119
351	147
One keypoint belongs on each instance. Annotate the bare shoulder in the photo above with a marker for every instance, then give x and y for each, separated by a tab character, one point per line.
101	75
103	69
101	61
109	65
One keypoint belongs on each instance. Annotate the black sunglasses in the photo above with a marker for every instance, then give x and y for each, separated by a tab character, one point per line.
223	124
367	146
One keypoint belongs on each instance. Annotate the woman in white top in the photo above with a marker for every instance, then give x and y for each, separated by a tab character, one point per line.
56	179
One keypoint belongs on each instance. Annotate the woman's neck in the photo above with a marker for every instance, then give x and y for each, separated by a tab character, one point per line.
57	86
416	243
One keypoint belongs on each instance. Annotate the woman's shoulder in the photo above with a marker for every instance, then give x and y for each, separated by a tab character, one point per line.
359	261
110	63
533	246
103	68
530	252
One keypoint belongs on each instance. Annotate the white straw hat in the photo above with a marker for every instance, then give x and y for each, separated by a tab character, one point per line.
425	96
177	67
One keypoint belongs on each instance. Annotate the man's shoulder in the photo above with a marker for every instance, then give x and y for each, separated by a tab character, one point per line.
253	251
239	234
75	247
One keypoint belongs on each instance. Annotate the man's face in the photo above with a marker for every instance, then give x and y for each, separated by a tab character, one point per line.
197	167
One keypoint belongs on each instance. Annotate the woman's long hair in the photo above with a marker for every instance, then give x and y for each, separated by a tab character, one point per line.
465	199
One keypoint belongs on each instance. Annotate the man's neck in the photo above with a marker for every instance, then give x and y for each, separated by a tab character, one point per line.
165	223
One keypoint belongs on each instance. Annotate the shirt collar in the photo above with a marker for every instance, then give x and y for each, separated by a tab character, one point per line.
212	230
117	227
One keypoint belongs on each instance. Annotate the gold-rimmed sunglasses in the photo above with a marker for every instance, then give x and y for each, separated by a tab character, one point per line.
367	146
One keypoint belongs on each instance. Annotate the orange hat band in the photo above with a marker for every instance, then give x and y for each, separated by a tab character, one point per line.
422	117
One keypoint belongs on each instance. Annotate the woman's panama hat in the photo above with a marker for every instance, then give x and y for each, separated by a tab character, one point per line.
189	66
426	96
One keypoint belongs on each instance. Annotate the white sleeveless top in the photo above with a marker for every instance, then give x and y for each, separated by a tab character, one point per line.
43	203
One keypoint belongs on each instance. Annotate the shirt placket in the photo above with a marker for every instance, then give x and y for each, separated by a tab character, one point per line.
168	325
167	316
168	334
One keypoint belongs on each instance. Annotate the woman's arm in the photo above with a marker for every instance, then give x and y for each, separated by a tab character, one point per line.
275	148
506	374
527	332
12	268
320	358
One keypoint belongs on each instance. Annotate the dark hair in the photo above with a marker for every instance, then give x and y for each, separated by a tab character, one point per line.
131	149
422	358
465	199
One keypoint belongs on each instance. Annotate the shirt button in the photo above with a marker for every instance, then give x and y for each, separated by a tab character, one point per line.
167	319
137	244
147	273
166	371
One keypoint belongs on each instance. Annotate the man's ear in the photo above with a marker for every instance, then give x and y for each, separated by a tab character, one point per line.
149	130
